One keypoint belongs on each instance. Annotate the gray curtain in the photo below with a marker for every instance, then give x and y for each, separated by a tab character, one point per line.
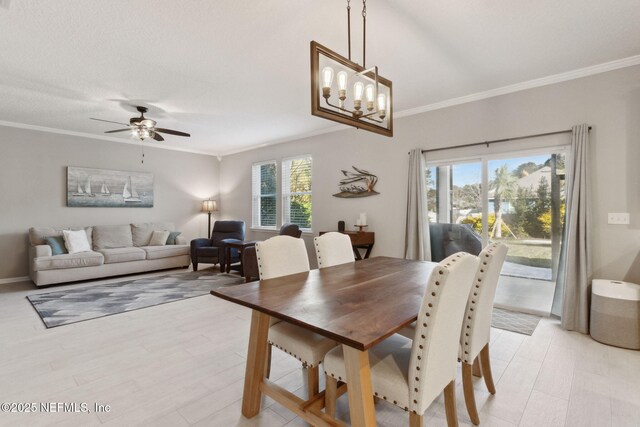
416	236
573	289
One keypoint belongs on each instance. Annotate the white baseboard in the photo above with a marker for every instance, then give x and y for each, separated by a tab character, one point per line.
14	279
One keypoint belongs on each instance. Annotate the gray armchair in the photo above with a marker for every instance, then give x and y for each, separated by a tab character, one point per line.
249	259
448	239
212	251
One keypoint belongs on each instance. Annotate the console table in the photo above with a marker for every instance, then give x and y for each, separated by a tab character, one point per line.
360	240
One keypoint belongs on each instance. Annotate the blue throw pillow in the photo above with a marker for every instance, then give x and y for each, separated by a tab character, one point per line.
57	245
171	240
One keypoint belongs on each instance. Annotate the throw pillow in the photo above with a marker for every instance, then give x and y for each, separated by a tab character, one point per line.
159	238
76	241
57	244
171	240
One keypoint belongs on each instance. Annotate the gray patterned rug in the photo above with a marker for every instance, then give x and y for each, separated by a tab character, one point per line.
521	323
91	302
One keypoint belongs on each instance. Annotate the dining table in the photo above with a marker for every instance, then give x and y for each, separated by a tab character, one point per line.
358	305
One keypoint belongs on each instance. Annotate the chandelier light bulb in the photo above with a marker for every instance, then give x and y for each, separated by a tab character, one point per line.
327	80
382	105
343	77
358	90
370	94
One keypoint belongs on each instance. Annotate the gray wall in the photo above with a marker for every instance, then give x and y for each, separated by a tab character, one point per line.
33	187
610	102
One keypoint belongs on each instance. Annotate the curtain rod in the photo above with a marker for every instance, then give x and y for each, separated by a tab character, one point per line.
475	144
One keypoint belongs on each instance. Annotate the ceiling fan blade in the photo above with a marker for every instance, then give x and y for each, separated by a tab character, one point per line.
172	132
109	121
117	130
157	137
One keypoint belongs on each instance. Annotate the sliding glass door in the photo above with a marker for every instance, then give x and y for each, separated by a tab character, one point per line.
517	199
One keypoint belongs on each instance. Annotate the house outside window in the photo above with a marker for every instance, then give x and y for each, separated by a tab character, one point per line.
264	192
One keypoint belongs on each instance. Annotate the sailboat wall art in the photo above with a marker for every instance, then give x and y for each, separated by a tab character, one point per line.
102	188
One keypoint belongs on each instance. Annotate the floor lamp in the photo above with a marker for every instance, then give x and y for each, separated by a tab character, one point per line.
209	206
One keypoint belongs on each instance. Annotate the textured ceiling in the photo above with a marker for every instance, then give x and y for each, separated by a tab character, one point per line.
235	74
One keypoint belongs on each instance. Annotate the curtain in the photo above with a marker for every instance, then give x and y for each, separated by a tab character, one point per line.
417	244
573	289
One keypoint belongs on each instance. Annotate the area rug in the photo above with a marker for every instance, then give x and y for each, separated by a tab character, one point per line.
91	302
513	321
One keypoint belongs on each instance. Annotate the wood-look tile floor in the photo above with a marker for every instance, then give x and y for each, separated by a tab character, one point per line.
182	363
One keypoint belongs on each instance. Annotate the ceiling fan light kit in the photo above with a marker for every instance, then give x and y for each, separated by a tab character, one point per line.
363	96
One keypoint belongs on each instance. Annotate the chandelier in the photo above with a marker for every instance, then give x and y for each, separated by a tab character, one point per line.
349	93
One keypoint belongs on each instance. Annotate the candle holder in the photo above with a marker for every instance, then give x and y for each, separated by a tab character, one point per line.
360	227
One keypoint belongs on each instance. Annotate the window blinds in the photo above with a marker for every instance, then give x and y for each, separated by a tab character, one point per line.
296	191
264	188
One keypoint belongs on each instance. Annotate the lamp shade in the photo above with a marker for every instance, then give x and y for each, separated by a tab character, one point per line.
209	205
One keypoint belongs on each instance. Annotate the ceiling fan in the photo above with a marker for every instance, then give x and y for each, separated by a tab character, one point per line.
142	127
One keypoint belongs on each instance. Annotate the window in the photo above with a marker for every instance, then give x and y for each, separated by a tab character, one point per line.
296	191
264	188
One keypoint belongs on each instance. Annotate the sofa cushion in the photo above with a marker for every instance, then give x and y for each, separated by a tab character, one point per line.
115	255
112	236
159	238
76	241
142	231
57	245
84	259
37	234
157	252
171	240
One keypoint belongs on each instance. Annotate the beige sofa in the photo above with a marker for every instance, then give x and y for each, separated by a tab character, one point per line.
117	249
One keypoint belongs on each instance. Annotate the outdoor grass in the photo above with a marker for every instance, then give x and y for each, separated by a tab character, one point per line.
527	254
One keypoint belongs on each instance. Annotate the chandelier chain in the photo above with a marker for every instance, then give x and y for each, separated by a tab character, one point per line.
364	32
349	26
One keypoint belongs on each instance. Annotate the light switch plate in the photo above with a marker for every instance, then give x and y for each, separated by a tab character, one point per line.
619	218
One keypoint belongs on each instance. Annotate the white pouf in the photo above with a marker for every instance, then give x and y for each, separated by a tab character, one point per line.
615	313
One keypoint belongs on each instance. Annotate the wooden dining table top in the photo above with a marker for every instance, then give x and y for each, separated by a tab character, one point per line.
358	304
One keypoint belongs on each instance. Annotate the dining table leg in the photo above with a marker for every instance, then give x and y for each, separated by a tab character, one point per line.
360	393
256	363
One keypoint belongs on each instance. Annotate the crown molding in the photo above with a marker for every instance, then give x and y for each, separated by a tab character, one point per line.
531	84
288	139
98	137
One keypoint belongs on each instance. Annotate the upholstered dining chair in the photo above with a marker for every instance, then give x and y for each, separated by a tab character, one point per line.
412	374
333	249
249	260
476	327
283	256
